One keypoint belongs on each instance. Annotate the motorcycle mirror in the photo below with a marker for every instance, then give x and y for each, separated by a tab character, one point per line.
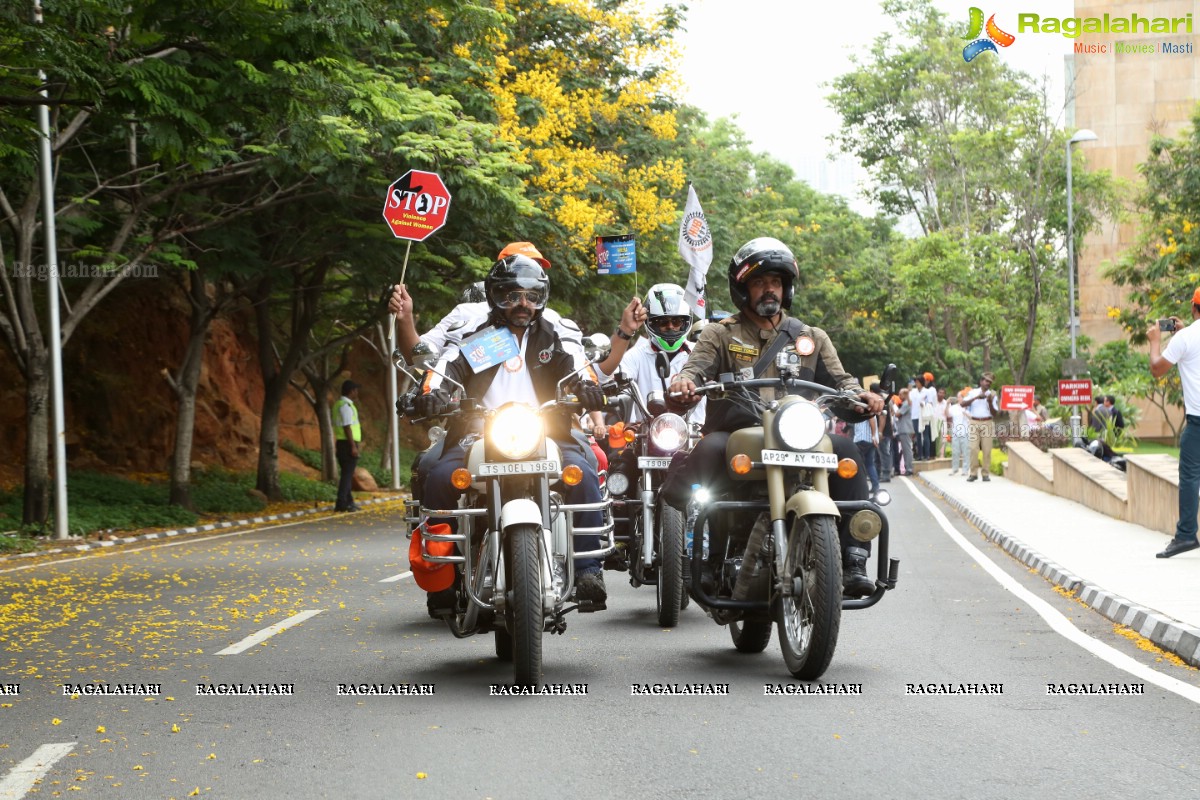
662	365
888	381
424	355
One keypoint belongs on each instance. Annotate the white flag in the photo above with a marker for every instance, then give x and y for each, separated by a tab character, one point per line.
695	245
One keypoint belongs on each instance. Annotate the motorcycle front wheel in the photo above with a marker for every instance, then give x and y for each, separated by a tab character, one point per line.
809	618
525	607
670	571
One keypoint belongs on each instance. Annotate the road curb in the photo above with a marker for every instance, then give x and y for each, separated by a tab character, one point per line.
1170	634
212	526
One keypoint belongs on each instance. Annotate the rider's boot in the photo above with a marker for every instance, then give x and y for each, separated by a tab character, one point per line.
855	581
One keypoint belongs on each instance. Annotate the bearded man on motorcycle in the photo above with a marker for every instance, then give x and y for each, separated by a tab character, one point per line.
517	290
762	277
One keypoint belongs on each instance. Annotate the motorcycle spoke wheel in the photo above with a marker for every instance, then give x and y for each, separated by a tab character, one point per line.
669	588
525	616
810	617
750	635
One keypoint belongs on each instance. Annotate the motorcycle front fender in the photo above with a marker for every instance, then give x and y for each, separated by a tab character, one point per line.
808	502
521	511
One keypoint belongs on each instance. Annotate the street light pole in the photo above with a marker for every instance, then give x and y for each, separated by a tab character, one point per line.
1084	135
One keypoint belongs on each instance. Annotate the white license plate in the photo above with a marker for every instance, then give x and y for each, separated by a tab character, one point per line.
520	468
808	460
652	462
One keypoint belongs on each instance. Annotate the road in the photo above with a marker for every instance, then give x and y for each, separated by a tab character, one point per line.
162	614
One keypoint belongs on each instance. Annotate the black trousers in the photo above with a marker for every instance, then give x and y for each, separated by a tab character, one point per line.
707	466
347	464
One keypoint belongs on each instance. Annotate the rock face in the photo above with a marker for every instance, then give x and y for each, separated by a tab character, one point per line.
120	412
363	482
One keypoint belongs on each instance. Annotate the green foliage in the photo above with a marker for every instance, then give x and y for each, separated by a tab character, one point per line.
310	458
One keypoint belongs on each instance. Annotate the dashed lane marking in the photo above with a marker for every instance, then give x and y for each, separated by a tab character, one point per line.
21	778
267	633
395	578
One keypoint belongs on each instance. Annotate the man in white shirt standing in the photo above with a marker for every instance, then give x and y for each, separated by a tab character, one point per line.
1183	351
982	405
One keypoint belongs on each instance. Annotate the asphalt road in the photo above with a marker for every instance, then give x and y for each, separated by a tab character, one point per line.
161	614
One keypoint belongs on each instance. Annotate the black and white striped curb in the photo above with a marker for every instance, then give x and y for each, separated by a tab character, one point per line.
1170	634
212	526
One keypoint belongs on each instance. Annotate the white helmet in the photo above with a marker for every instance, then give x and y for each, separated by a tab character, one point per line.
670	316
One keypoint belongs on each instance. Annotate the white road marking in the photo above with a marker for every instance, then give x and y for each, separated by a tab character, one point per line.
1053	617
23	776
267	633
395	578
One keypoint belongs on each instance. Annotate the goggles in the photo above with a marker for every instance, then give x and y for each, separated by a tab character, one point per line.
534	298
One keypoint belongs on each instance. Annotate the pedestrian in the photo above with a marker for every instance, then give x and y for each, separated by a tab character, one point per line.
1184	352
981	404
1100	416
929	401
1040	410
348	433
904	431
956	423
887	433
916	402
866	437
1114	413
938	424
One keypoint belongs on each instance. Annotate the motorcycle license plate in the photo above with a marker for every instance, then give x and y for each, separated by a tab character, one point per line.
653	462
789	458
520	468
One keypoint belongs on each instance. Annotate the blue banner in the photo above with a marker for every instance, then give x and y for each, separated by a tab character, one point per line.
616	255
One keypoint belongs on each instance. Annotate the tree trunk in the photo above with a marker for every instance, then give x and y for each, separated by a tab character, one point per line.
268	444
37	437
184	385
325	427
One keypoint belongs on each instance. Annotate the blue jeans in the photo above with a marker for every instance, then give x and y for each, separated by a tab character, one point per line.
1189	479
439	493
867	450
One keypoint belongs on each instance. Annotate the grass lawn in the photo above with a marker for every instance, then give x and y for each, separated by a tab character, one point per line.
1148	448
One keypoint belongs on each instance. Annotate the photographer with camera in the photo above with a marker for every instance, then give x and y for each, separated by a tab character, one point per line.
982	405
1183	351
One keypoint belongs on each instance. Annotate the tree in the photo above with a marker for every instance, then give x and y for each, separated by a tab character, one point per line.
968	150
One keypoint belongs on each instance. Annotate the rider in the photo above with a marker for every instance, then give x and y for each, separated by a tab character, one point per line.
668	321
517	290
762	277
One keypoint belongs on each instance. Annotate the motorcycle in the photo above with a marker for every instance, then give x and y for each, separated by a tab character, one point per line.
775	556
652	530
514	548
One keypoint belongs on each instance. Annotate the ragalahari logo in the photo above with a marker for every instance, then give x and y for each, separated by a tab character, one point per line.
994	36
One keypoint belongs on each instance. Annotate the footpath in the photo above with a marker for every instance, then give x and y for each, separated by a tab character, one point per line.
1109	564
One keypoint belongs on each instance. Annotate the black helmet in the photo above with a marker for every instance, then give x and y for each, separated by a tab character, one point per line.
762	256
473	293
513	274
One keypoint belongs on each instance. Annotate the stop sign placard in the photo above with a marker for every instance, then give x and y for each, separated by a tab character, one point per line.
417	205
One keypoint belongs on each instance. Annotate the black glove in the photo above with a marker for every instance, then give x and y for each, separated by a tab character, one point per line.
434	404
590	395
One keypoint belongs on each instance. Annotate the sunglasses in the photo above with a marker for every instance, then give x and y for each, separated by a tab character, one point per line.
516	297
671	323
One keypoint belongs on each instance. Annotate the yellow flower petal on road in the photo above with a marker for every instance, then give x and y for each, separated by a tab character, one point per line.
138	767
194	792
421	776
211	756
175	729
100	729
56	721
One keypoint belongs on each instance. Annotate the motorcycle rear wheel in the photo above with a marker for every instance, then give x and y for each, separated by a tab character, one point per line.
525	608
669	589
750	635
809	618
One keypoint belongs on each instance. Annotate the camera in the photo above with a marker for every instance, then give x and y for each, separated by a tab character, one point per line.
1166	325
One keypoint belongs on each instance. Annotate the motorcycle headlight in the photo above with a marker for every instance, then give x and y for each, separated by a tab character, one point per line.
800	425
618	483
668	433
516	431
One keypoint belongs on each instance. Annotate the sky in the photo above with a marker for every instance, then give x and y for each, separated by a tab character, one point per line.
769	62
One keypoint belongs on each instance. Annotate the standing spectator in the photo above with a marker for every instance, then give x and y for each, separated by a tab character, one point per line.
981	404
1100	416
866	436
348	434
916	401
956	423
1040	410
938	424
929	400
904	431
1183	351
887	441
1114	413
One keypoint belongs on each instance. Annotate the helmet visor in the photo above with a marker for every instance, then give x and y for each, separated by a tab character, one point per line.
665	326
